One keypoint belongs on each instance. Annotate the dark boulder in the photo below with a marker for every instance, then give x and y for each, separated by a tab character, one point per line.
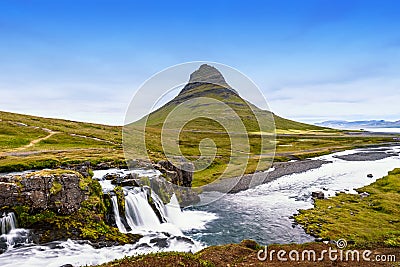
318	194
60	192
179	173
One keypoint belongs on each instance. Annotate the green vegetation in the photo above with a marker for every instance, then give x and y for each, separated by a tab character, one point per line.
225	255
29	142
56	187
24	147
12	137
104	132
370	221
294	140
162	259
120	198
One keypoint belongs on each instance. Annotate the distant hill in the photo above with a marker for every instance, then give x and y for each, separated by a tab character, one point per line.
340	124
31	142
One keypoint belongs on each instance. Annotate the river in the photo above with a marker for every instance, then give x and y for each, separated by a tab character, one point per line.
262	213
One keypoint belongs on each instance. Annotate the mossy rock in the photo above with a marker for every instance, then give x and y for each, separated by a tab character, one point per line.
86	223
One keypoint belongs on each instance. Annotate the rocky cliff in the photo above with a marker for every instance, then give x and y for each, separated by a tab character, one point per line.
60	204
59	191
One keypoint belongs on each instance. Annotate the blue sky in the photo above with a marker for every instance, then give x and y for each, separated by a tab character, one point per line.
313	59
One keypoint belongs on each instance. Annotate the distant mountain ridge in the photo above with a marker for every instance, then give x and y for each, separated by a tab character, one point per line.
341	124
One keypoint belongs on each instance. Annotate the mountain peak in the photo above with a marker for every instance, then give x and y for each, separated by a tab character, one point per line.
208	74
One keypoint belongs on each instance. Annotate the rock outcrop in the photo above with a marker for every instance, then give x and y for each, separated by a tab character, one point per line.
62	193
181	175
59	205
318	195
207	74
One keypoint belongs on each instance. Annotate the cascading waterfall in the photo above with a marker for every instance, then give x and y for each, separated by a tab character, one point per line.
174	210
138	211
144	216
160	225
118	221
8	222
10	233
160	207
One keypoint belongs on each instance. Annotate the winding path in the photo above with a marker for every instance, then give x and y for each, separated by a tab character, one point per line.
34	142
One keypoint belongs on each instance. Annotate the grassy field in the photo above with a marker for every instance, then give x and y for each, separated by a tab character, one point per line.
372	221
29	142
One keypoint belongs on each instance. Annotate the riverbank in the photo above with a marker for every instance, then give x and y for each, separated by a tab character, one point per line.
279	169
369	219
263	213
246	254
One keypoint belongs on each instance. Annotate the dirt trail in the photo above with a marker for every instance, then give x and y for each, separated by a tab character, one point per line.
34	142
31	143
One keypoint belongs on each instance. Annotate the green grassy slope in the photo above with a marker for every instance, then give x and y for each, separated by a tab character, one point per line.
208	111
30	142
105	132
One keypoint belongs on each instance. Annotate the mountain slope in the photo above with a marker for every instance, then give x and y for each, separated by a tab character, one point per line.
243	136
217	88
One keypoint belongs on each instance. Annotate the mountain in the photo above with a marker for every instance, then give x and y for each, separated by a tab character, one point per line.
340	124
209	123
208	82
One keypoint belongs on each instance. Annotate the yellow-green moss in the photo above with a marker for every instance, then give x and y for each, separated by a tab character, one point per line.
55	188
368	221
121	198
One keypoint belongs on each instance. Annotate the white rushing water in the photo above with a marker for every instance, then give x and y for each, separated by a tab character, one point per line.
264	213
8	222
383	130
118	221
10	235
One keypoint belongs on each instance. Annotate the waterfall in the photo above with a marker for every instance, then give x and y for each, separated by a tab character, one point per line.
10	235
118	221
138	211
174	211
8	222
145	211
160	206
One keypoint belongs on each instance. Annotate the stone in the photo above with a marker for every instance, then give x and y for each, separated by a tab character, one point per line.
159	242
179	173
318	194
103	166
60	193
364	194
